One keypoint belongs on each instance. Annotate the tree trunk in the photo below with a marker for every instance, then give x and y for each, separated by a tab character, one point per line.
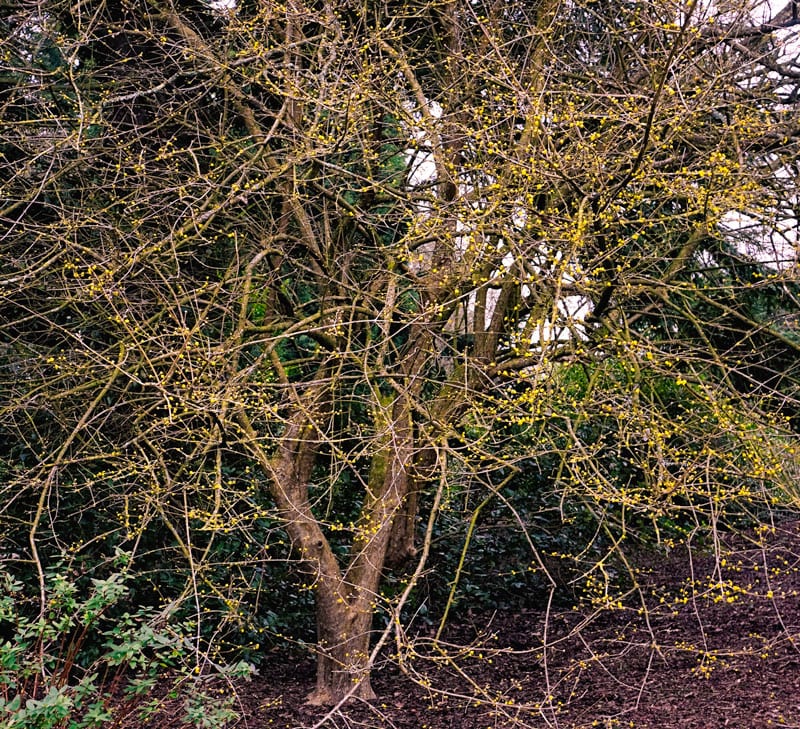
345	597
343	633
402	548
345	603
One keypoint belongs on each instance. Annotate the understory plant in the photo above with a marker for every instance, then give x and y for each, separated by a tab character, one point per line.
82	658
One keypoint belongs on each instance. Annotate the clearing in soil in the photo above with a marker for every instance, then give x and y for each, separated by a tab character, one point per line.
705	641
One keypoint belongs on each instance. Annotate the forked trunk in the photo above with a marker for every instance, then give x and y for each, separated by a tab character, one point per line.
345	601
346	594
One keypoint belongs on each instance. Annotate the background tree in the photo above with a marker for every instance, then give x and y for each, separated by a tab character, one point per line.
300	271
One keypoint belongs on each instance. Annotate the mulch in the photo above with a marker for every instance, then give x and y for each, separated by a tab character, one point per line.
700	640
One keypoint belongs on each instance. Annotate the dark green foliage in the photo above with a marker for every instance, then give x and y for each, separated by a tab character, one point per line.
92	652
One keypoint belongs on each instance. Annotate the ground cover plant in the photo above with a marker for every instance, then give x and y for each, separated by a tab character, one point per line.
345	321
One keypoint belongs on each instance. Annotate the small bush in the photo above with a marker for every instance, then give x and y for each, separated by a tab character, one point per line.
67	664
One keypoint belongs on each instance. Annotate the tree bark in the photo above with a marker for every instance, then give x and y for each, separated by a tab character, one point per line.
343	643
402	548
345	600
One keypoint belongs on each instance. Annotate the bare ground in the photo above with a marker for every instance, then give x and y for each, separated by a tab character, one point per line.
706	641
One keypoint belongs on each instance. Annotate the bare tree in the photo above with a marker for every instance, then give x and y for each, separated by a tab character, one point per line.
305	262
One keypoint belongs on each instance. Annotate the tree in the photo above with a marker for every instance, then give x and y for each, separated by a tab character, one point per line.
303	264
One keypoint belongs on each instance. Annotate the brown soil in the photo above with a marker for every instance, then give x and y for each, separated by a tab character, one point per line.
718	645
